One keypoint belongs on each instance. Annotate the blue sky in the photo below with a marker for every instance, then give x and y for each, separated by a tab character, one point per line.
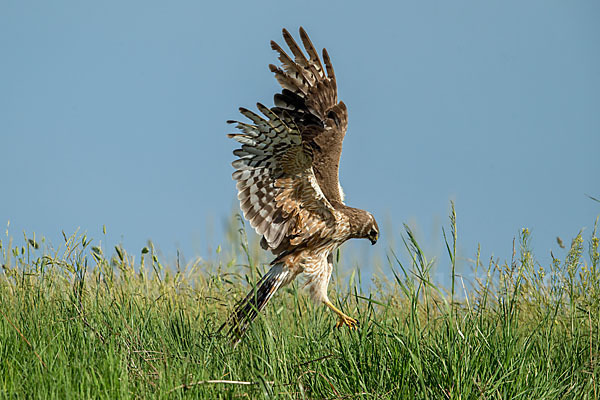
113	113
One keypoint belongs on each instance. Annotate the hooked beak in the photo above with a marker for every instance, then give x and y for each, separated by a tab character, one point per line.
373	239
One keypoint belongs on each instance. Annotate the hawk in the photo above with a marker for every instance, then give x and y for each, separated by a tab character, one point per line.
287	180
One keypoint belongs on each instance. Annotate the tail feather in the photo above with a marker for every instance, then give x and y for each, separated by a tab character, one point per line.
254	302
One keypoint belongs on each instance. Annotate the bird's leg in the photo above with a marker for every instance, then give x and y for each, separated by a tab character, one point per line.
343	319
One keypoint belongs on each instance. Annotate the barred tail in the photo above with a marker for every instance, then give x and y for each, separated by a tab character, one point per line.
247	309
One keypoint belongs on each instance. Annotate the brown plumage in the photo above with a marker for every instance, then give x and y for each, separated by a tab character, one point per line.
287	180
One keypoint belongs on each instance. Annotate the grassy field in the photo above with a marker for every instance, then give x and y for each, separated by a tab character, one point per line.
79	322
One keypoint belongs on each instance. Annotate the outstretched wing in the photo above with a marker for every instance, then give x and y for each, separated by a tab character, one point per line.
278	192
309	97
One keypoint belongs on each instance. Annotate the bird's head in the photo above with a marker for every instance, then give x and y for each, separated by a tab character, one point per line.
372	230
363	225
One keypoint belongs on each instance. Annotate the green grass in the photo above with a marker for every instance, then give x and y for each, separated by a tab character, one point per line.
77	323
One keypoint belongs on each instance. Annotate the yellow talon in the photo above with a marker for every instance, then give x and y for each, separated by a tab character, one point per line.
343	319
346	320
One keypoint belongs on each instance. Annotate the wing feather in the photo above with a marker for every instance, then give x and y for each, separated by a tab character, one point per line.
278	192
310	49
288	163
300	57
309	98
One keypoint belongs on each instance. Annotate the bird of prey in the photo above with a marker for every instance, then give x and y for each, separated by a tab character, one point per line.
287	180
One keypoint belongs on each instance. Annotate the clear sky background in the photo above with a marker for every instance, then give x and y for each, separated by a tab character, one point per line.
113	113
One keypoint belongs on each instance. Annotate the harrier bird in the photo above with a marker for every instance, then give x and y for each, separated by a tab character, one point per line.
287	181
